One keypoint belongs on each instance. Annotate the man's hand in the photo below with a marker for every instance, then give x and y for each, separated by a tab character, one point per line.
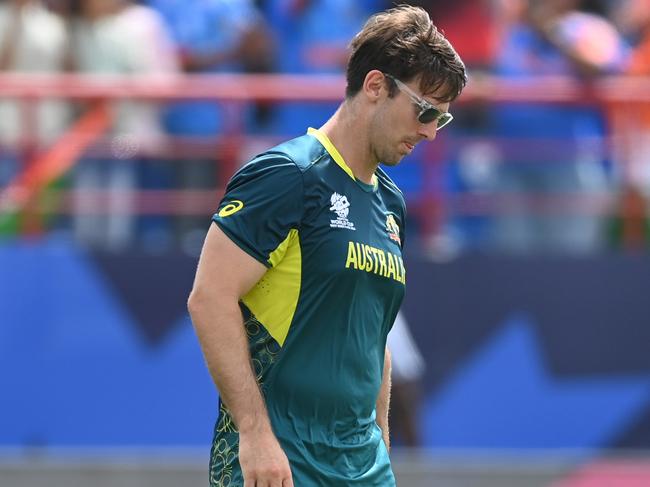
263	463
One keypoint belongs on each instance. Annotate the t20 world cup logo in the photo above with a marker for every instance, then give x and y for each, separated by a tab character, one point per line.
340	205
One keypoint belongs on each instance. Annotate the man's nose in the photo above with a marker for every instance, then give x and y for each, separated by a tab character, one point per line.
428	130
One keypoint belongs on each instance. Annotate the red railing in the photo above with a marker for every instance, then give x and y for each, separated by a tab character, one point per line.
615	95
280	87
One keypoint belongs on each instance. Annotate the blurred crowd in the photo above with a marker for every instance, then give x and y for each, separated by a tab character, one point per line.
534	160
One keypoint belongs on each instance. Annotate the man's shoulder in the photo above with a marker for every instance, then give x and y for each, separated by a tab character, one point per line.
303	151
282	165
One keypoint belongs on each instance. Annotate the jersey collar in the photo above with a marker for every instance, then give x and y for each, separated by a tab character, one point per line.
336	155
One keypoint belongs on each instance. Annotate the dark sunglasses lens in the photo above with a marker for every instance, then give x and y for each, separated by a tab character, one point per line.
432	114
428	115
444	119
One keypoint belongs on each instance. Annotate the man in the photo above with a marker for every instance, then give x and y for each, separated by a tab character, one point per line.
306	247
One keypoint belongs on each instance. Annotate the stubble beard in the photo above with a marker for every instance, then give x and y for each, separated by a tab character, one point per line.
393	161
391	158
382	151
386	155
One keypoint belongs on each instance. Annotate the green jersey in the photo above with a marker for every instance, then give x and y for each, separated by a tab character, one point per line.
317	320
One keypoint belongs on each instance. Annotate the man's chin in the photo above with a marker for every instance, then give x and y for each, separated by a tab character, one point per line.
393	162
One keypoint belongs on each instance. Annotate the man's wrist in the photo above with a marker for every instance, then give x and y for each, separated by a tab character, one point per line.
255	425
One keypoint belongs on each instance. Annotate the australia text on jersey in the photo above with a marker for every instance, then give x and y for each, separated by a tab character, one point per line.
377	261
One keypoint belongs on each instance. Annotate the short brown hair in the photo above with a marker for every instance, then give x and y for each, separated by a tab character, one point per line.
403	42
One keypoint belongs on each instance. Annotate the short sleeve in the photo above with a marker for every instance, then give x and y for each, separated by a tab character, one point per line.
262	204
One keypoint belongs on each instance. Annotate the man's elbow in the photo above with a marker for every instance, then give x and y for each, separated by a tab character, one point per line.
205	302
196	303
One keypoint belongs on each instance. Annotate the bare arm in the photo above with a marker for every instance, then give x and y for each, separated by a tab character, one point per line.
225	273
11	37
383	400
543	18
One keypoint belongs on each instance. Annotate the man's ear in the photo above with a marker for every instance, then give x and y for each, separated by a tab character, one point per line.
374	85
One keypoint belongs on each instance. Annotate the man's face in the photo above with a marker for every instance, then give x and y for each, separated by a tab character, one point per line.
395	128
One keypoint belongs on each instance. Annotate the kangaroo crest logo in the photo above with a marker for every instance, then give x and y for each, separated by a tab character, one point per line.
341	206
393	229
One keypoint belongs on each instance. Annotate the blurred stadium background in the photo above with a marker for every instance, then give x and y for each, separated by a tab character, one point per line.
527	247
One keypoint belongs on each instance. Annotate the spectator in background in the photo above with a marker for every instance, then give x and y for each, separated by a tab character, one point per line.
630	226
219	35
213	36
551	151
633	19
32	40
117	37
312	43
636	18
458	18
459	167
407	369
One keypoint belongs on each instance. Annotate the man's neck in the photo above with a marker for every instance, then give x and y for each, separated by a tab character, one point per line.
348	131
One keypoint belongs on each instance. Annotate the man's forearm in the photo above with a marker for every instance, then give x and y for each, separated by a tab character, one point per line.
383	400
222	335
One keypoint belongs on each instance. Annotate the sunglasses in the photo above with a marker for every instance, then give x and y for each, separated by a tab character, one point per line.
428	113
